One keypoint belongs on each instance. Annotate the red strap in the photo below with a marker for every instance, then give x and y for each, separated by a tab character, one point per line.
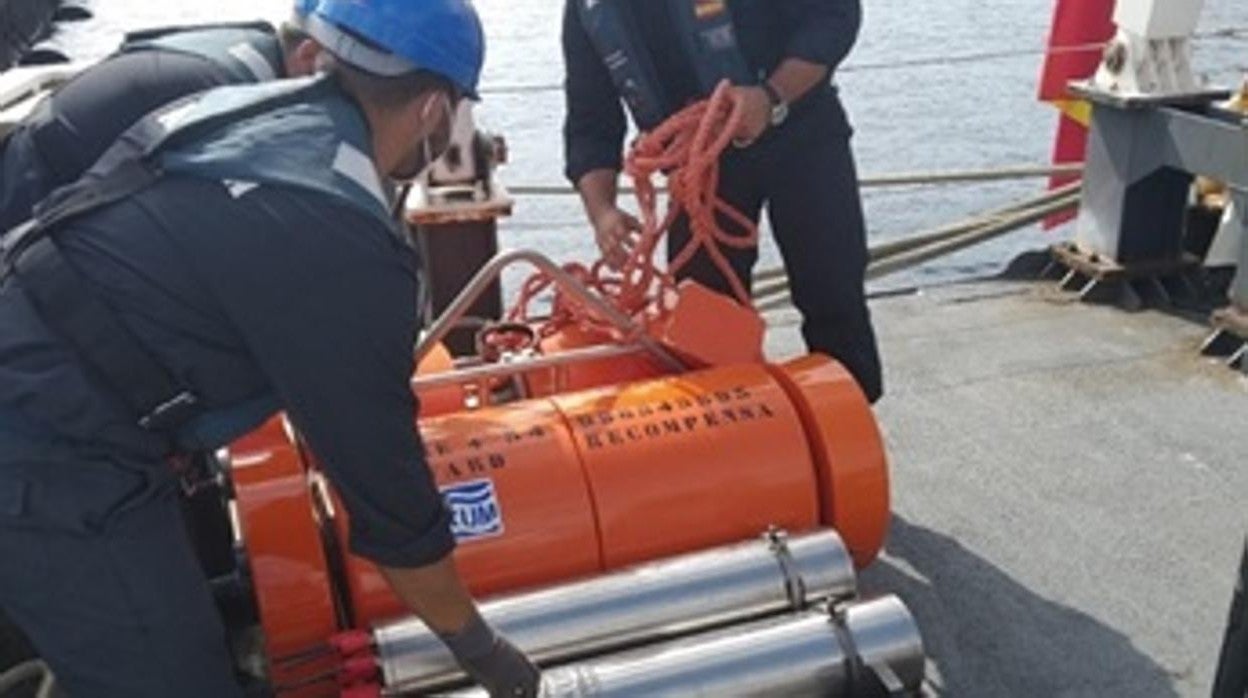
357	669
351	643
364	690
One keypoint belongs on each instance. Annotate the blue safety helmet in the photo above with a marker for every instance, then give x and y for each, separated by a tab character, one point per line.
440	36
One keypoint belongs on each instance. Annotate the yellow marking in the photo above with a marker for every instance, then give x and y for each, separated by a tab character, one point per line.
1077	109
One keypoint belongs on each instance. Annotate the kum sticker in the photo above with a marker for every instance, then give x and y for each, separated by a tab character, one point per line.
475	512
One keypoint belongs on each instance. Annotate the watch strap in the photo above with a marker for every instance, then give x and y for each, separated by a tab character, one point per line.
772	94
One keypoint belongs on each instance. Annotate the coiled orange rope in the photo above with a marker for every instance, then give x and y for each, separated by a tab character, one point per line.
687	147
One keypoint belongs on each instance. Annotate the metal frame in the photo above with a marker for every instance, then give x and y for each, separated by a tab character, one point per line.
1239	287
1089	91
1132	287
457	311
1229	341
503	370
1139	168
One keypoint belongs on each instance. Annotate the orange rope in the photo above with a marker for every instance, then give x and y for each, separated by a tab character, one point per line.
687	147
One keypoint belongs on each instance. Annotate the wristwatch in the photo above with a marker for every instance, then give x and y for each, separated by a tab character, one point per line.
779	107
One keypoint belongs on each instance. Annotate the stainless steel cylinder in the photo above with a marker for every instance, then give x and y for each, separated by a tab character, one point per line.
812	654
654	602
888	642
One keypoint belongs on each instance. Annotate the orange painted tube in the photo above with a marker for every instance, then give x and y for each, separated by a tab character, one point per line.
848	450
588	482
287	559
440	400
687	462
527	519
549	490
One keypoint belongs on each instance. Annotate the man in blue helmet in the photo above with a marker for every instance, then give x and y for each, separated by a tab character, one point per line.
793	147
151	68
231	254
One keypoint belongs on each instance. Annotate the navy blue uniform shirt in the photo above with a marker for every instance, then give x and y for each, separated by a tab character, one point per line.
769	31
246	290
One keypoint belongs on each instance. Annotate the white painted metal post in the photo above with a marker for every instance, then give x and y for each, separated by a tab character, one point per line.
1152	54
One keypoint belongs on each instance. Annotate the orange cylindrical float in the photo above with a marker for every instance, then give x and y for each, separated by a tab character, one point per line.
443	400
522	459
686	462
848	451
553	489
609	477
286	553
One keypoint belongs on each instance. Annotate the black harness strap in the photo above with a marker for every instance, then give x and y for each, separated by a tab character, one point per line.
72	309
66	302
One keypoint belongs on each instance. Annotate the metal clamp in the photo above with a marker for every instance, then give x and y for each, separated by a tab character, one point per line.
794	586
857	670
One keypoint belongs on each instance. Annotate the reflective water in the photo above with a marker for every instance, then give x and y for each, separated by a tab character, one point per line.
937	115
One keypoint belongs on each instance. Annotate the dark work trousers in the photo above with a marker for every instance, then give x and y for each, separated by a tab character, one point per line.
97	568
804	172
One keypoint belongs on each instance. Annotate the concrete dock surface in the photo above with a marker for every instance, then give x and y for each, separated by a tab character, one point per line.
1070	490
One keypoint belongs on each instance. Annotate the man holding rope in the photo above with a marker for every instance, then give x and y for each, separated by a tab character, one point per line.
791	148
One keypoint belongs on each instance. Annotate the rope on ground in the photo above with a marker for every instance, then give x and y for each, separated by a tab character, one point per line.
1223	33
901	179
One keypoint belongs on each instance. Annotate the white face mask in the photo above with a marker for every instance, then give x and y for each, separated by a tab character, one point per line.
431	151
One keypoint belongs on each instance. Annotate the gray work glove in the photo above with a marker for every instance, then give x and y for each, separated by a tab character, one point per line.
493	662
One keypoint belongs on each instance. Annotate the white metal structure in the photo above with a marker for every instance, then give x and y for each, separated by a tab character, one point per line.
1152	54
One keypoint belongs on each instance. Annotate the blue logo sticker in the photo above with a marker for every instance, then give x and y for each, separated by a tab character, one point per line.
475	512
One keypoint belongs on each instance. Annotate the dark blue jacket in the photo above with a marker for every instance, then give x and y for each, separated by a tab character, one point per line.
242	290
819	31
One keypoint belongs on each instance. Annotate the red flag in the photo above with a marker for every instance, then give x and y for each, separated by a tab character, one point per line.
1068	148
1080	30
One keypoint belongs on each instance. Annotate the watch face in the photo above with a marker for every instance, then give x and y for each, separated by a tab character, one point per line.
779	113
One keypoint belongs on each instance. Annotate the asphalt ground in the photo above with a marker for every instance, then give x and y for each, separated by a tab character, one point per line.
1070	490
